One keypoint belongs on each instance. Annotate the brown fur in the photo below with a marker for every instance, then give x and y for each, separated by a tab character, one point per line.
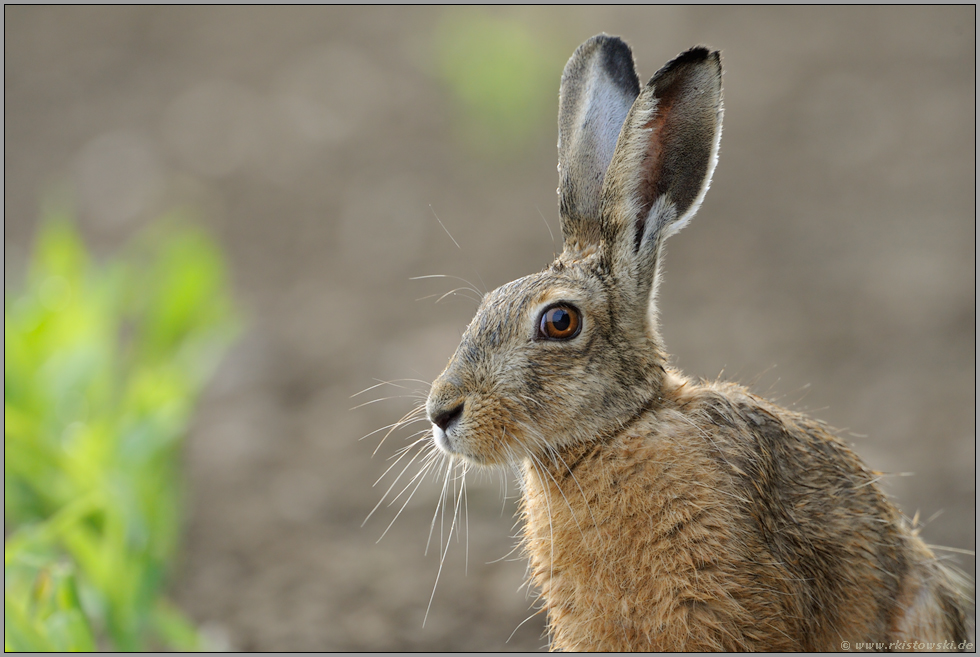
722	522
662	513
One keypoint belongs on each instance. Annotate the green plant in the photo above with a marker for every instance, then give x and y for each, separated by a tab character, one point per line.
502	76
102	367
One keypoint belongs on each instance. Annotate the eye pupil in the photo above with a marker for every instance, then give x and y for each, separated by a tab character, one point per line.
560	319
560	323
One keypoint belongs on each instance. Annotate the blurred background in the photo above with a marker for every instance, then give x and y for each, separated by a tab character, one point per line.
831	267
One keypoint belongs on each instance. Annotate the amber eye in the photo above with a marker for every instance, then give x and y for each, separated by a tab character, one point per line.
559	323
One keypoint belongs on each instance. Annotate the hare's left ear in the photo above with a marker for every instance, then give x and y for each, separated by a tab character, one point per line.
663	162
598	87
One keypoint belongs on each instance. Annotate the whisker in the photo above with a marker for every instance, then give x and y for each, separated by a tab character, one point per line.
430	296
439	504
952	549
504	558
423	436
466	516
394	425
588	507
521	624
533	461
538	439
403	451
375	401
420	476
444	227
549	230
393	382
453	292
369	388
445	551
402	422
415	437
425	459
458	278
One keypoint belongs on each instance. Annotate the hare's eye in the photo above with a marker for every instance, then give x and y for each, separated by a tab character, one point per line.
559	323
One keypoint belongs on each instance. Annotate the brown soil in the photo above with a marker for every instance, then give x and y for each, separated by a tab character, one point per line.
831	267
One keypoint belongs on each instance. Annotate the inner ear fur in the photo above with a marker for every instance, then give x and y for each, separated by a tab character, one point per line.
598	87
667	150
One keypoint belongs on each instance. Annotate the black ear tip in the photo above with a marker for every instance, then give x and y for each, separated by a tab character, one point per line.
603	40
611	47
616	59
697	54
691	57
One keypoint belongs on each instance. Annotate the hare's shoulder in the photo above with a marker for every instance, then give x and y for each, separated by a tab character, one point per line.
815	506
761	436
788	466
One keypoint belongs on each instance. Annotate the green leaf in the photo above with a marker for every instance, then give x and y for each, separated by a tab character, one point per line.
175	630
103	365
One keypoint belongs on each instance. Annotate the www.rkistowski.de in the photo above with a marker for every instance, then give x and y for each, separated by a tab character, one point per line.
908	645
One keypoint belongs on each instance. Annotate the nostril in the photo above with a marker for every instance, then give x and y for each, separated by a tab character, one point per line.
446	418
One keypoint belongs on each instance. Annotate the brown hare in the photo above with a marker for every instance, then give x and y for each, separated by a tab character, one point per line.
660	512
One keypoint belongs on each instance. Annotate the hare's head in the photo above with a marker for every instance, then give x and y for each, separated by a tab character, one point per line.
573	352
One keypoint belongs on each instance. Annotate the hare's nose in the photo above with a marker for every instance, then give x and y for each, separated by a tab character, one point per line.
445	419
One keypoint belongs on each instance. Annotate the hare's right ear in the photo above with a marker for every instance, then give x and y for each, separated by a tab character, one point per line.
598	87
662	166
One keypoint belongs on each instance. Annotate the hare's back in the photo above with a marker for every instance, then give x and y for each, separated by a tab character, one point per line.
809	503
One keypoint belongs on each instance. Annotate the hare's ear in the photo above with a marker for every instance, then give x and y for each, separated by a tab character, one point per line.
598	88
664	160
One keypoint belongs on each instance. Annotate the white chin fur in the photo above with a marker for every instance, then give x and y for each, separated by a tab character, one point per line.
441	439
